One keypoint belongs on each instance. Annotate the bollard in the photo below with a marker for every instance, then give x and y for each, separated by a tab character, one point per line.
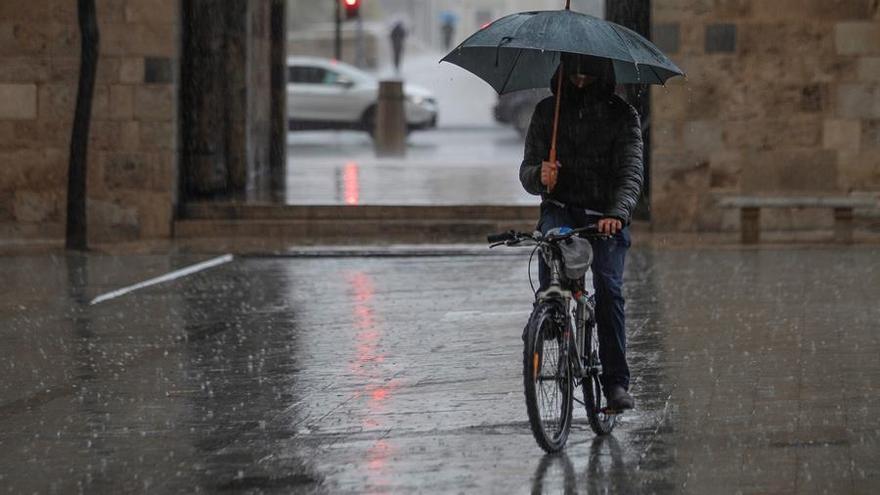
843	225
390	132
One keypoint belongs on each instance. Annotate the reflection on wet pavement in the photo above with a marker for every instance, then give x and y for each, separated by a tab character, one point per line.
755	371
351	184
444	166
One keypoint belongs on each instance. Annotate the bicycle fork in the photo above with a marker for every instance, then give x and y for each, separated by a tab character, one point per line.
578	338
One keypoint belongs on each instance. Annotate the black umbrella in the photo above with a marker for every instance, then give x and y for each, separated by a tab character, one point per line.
521	51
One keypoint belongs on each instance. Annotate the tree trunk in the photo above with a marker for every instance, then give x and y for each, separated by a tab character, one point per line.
76	234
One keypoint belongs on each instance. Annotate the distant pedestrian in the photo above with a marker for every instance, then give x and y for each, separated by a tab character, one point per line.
448	30
398	36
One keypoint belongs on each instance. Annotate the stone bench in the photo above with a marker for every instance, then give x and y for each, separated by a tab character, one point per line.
750	211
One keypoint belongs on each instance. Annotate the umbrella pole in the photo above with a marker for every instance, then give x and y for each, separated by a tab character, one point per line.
552	158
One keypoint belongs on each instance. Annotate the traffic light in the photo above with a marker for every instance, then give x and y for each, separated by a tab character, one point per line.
352	8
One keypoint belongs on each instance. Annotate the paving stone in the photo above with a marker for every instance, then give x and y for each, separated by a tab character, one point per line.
860	101
154	103
857	38
842	134
18	101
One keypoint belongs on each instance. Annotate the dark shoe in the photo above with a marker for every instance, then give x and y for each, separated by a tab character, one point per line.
618	398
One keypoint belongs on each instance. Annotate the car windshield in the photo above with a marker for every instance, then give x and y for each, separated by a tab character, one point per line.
305	72
352	72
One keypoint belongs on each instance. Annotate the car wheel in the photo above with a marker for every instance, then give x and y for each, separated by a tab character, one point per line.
368	121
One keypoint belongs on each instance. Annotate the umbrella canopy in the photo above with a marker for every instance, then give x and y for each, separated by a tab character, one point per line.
521	51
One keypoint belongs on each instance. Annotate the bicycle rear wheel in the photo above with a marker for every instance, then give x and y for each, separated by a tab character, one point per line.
601	421
547	380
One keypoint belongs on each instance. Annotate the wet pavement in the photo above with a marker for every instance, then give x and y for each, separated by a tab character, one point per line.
478	165
755	371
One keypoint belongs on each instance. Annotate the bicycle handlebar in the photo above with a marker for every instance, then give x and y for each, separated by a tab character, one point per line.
512	236
506	236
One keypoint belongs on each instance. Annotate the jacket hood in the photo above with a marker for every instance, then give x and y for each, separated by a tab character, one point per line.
601	68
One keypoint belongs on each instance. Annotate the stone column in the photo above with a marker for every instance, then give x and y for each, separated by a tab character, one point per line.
203	107
235	77
278	141
636	15
226	98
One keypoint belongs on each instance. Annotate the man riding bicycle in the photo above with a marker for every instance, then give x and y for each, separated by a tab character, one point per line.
596	180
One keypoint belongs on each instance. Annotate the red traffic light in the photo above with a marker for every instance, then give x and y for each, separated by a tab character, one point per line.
352	8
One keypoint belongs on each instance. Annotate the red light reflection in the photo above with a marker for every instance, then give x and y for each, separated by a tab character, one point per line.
379	394
351	186
377	466
369	366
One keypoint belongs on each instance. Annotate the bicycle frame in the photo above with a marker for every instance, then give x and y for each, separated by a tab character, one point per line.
556	291
578	363
559	290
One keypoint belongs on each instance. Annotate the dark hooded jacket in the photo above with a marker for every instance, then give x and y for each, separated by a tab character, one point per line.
599	145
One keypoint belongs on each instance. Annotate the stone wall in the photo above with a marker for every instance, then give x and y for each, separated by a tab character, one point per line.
132	150
783	96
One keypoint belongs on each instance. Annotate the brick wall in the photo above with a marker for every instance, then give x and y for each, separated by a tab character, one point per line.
132	149
783	96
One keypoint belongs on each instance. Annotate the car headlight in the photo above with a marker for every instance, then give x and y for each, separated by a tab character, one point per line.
421	101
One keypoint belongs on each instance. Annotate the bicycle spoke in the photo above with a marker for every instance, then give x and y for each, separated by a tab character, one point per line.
547	382
544	394
551	402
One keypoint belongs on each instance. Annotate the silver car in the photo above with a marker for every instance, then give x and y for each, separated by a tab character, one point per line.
327	94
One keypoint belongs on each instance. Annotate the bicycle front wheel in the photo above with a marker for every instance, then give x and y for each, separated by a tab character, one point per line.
547	379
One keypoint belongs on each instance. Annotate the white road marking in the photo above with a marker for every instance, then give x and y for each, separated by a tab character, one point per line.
226	258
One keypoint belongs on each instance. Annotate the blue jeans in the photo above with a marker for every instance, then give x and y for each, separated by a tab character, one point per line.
609	256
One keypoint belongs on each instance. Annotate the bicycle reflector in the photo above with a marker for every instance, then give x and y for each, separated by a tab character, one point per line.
352	8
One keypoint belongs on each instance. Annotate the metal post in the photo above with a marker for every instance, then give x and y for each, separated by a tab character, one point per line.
360	57
75	228
337	39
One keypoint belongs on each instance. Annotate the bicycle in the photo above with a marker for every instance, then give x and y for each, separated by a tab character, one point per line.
561	347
